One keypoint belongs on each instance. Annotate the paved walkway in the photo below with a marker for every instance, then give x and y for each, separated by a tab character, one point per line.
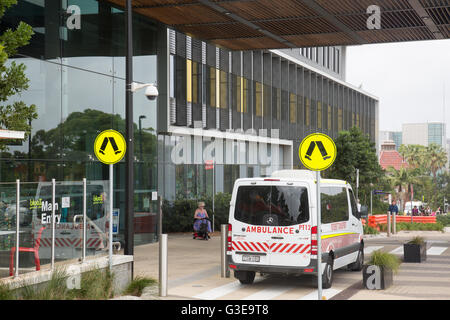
192	260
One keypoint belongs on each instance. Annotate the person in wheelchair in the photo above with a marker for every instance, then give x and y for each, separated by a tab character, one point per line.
202	225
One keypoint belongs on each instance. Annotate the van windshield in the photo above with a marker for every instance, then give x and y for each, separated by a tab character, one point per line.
272	205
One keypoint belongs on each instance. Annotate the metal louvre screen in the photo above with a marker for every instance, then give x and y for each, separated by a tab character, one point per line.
267	92
284	134
300	101
257	90
236	90
292	118
180	91
224	81
247	84
276	93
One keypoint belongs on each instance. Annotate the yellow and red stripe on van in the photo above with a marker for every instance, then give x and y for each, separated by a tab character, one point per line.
276	247
339	240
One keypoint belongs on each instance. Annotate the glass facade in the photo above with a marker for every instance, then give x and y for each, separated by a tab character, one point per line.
76	67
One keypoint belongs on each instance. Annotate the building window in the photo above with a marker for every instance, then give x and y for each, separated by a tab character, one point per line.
292	108
223	89
245	95
212	87
307	112
189	80
330	115
238	91
340	119
196	77
258	99
319	115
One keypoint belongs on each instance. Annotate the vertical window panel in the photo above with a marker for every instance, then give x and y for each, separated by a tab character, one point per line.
319	115
188	80
223	89
258	99
292	108
307	112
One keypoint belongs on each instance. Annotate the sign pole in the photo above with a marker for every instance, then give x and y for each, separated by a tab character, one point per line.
317	152
319	240
111	198
214	190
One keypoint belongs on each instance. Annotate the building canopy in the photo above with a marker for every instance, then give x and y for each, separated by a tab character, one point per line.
271	24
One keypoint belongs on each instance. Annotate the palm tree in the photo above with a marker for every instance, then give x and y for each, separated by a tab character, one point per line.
437	158
402	180
414	155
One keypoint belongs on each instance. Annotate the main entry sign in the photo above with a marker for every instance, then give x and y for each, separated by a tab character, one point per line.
110	146
317	151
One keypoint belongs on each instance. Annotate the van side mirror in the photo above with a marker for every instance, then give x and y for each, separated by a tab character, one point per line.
363	212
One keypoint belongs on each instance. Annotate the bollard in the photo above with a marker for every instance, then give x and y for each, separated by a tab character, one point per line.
394	223
163	267
389	224
225	271
16	273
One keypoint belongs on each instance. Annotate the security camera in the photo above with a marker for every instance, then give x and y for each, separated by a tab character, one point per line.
151	92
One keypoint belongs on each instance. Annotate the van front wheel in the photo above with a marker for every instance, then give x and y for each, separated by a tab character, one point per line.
245	277
327	275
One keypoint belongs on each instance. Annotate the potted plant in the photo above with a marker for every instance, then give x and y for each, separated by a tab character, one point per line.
415	250
378	273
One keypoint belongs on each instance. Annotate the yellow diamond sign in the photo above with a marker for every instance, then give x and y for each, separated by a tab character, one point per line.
317	151
110	146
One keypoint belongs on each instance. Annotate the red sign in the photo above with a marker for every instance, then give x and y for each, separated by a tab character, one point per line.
209	164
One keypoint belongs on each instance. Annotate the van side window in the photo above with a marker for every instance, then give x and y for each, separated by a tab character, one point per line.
353	203
334	204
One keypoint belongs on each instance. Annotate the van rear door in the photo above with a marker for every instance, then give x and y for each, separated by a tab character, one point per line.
271	224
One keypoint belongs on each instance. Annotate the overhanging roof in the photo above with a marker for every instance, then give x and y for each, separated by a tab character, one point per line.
270	24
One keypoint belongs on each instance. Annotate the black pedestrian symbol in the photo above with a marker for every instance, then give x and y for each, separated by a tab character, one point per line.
113	144
322	150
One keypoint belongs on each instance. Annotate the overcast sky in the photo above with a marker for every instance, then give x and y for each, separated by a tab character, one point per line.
407	77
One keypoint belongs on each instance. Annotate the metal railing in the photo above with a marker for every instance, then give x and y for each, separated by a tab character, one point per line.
37	242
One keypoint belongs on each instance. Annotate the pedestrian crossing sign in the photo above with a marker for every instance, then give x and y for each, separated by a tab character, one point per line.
317	151
110	146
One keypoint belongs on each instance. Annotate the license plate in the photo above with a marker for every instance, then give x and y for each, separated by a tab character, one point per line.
250	258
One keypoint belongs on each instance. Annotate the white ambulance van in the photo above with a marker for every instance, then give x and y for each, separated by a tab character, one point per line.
273	226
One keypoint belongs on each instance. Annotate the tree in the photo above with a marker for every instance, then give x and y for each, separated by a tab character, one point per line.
17	115
356	151
437	158
403	180
414	155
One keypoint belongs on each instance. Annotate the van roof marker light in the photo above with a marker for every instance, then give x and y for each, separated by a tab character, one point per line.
268	179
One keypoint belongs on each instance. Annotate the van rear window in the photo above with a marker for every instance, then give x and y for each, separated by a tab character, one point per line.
272	205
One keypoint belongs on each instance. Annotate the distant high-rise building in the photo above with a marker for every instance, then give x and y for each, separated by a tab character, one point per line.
424	133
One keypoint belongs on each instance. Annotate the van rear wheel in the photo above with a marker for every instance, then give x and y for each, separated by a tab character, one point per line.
327	275
359	263
245	277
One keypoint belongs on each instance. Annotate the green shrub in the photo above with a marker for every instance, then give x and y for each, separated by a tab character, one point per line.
417	240
408	226
370	230
386	259
6	293
445	220
96	284
138	284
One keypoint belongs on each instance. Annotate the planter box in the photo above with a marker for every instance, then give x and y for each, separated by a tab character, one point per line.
377	277
414	252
